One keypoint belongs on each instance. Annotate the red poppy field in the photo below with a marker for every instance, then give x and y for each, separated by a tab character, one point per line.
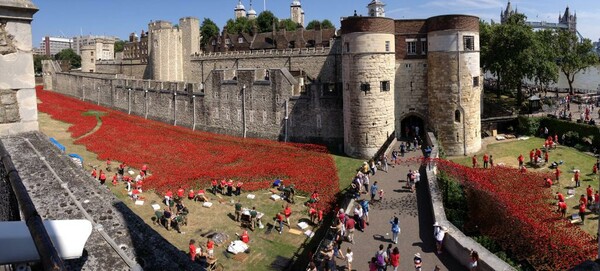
519	212
178	156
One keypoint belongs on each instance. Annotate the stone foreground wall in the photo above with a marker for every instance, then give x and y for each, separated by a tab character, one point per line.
18	107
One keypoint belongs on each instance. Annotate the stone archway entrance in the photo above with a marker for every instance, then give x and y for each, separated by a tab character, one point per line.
411	125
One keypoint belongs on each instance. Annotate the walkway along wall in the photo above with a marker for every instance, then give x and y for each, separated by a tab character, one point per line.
266	108
456	242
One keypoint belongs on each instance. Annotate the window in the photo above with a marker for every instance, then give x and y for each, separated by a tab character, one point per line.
240	40
385	86
214	42
476	81
365	87
347	45
92	53
227	41
469	43
457	116
92	60
330	89
387	46
408	65
411	47
423	46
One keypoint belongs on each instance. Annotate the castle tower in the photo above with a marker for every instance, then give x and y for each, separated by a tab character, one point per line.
240	10
88	59
251	12
504	15
190	40
368	72
296	12
454	82
165	57
376	8
568	19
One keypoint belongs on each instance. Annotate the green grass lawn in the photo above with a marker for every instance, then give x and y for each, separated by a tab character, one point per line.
507	153
346	169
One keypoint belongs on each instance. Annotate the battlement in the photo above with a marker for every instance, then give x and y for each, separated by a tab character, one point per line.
266	53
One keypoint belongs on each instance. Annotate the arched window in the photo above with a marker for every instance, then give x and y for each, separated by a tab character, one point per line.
457	116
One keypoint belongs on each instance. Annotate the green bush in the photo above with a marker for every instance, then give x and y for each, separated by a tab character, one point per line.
584	131
528	126
571	138
455	202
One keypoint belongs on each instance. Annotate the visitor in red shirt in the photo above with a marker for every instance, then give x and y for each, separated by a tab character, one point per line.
562	208
312	213
102	177
576	177
139	184
548	182
223	186
279	219
114	180
135	193
523	169
245	237
531	154
595	169
168	197
350	224
560	197
145	169
557	174
546	157
94	174
210	247
582	212
193	250
590	194
180	192
238	188
538	155
230	187
521	159
215	186
288	212
486	160
555	139
474	161
583	200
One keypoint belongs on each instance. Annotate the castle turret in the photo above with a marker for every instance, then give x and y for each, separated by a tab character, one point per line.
88	59
251	12
165	51
368	72
568	19
454	82
376	8
240	10
190	40
296	12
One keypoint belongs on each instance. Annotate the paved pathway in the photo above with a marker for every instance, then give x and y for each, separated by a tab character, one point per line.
416	223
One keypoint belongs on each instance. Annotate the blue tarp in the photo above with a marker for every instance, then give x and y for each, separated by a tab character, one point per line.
58	145
74	155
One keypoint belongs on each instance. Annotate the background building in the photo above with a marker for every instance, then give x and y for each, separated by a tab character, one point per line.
137	47
52	45
80	41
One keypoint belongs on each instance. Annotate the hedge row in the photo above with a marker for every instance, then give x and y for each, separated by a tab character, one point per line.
533	126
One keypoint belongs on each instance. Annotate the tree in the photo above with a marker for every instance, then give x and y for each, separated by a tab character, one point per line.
265	21
119	46
545	68
508	52
69	55
240	25
573	55
288	25
314	24
208	30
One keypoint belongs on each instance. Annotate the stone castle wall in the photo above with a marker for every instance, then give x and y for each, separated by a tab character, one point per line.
411	91
454	83
368	75
166	54
218	108
190	40
131	68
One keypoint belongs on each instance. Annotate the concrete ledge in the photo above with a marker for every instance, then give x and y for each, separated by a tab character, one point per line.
456	242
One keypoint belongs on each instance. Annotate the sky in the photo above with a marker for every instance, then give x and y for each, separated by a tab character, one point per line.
120	17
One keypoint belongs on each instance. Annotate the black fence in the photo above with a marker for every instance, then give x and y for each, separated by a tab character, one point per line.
14	197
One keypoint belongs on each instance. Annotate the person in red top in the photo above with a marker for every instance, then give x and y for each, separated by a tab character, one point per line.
474	160
595	169
560	197
486	160
94	174
193	252
597	201
230	187
583	200
538	155
102	177
546	157
555	139
320	216
531	154
521	159
548	182
562	208
200	196
115	180
576	177
288	212
590	194
312	213
135	193
139	184
350	224
314	197
557	174
215	186
108	165
210	247
245	237
191	194
523	169
168	197
223	186
238	188
395	258
582	212
279	218
180	192
145	169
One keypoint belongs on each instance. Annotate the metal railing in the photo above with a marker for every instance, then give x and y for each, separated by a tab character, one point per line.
49	257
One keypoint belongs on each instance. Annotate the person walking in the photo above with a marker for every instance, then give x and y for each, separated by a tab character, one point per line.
358	214
474	258
395	229
349	258
350	224
486	160
395	258
374	189
380	258
439	233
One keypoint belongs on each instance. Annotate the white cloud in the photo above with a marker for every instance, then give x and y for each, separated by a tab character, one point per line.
465	4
